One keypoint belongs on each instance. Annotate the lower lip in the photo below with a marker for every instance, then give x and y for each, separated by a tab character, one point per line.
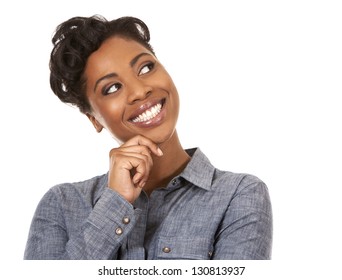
157	120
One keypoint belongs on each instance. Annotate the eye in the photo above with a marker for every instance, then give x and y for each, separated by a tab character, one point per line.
111	89
146	68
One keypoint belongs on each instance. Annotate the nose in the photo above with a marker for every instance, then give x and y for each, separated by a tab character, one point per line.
137	90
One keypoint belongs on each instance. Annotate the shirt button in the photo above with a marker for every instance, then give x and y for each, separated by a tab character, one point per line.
174	181
119	231
126	220
166	250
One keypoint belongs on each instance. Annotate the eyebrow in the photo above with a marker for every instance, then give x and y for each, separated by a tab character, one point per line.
112	75
135	59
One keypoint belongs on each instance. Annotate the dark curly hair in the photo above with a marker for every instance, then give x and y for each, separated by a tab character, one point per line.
75	40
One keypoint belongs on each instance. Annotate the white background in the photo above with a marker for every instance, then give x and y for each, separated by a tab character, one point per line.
260	86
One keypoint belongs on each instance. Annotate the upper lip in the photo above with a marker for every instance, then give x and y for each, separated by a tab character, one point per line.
147	105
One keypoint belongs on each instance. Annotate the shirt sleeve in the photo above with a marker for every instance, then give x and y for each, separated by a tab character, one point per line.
246	230
99	236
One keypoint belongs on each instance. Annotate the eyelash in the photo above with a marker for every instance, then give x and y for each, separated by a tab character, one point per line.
106	90
150	66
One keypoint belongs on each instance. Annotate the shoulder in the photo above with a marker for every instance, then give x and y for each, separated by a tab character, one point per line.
238	181
234	184
243	191
85	192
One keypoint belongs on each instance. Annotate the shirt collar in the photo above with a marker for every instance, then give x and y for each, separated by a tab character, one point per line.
199	170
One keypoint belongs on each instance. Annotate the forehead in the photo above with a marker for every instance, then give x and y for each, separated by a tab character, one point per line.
115	50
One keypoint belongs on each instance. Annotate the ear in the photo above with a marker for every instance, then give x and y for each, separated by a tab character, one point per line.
95	123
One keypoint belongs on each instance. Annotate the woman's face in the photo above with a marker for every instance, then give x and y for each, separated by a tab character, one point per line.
130	92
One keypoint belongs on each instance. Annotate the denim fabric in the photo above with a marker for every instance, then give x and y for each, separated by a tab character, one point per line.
203	213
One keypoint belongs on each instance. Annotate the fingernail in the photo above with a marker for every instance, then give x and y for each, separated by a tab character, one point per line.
142	184
160	152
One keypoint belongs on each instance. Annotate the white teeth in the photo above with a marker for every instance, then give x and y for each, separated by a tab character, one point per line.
148	114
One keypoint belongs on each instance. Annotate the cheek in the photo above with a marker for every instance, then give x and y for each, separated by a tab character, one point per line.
107	112
111	113
112	116
174	96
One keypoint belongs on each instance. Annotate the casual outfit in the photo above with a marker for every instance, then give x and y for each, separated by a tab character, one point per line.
203	213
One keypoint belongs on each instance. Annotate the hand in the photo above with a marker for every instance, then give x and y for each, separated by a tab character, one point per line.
130	166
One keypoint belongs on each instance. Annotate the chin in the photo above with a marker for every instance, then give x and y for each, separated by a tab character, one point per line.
161	138
159	135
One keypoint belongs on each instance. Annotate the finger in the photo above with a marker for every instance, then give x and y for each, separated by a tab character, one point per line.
122	155
131	150
143	141
142	184
142	171
138	163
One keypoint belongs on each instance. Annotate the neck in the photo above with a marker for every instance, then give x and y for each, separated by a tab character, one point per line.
171	164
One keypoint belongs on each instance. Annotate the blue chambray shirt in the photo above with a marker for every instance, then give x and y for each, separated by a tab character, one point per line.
204	213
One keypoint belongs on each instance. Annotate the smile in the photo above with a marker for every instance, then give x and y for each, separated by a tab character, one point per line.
147	115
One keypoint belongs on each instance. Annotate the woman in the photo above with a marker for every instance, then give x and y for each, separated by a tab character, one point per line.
157	201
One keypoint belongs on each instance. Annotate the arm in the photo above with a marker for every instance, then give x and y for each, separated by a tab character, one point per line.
246	230
103	231
97	237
